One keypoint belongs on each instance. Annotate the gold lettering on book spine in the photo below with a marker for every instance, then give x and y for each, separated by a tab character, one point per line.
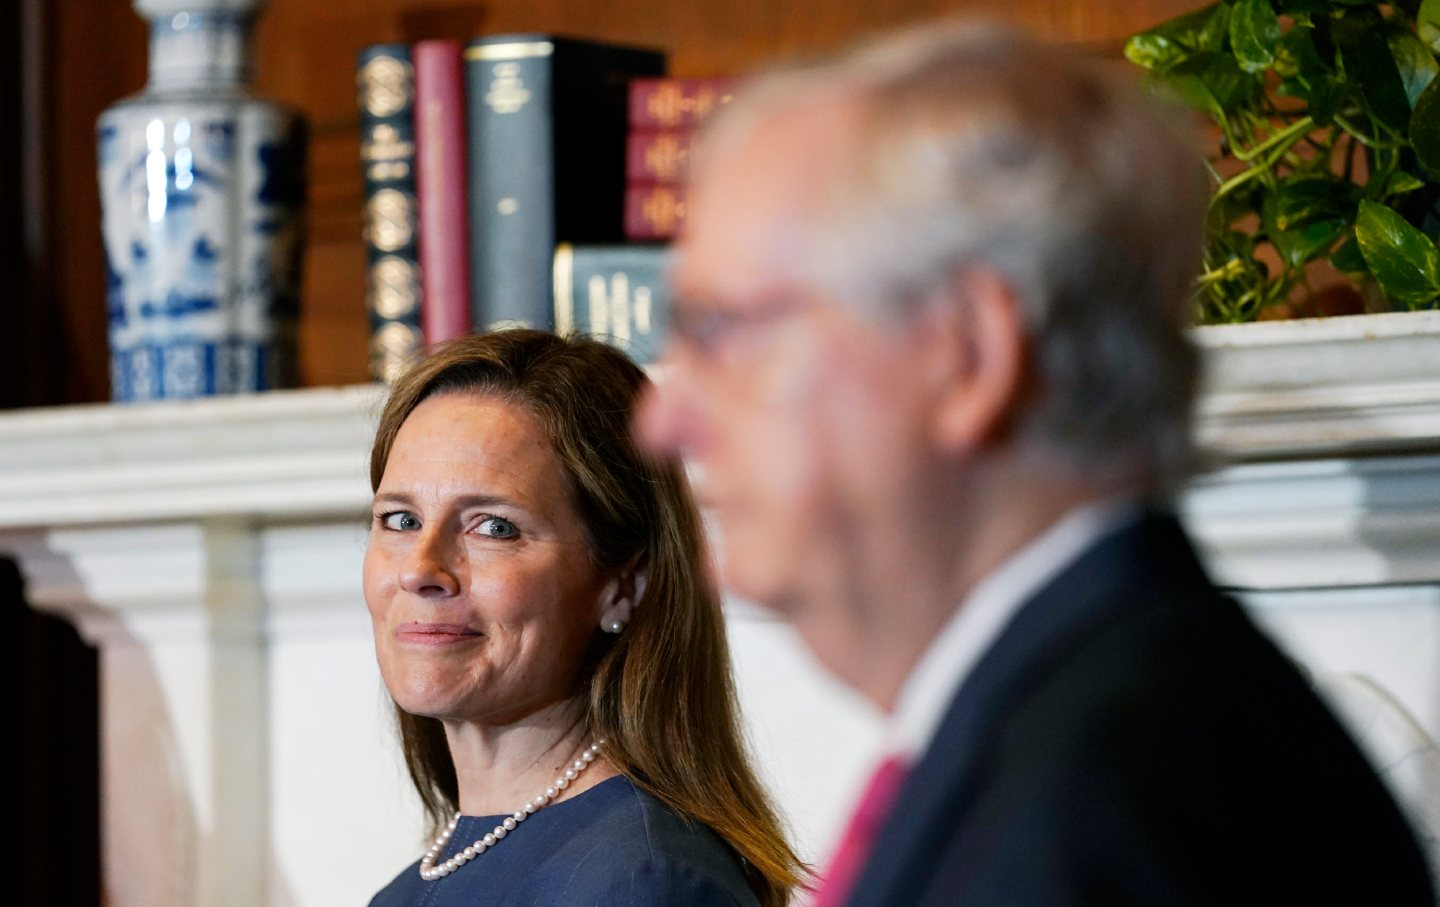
666	156
384	84
620	308
386	153
385	143
666	104
598	299
672	104
394	287
507	92
385	171
512	50
618	312
390	220
618	327
392	348
644	304
562	279
706	99
663	210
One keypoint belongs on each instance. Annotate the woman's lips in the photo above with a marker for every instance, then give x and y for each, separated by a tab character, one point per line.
436	634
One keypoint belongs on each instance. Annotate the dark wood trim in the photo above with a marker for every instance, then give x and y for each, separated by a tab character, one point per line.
51	792
22	371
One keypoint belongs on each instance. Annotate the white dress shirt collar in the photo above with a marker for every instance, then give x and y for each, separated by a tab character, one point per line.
984	614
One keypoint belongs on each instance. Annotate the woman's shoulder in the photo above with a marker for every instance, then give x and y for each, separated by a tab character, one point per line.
633	849
405	889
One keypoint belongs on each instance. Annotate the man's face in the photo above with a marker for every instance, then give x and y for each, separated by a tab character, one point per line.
804	418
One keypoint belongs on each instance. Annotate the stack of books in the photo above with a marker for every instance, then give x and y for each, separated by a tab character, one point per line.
618	292
664	114
494	180
521	180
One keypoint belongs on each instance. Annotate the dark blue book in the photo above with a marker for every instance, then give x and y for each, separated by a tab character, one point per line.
386	82
616	294
547	120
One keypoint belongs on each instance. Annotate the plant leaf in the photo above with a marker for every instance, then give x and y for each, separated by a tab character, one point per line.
1294	51
1303	244
1427	24
1305	214
1349	260
1233	296
1403	260
1425	129
1226	209
1305	197
1399	182
1216	29
1414	61
1254	34
1307	76
1301	7
1167	43
1153	52
1211	82
1368	59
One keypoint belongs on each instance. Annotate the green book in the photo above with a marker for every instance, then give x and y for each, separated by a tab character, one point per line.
615	293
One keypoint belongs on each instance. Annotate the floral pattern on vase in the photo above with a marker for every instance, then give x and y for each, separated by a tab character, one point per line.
202	188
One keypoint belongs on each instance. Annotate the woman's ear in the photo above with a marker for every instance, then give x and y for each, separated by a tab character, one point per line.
621	596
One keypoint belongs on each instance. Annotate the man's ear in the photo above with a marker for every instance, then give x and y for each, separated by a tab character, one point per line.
980	320
621	595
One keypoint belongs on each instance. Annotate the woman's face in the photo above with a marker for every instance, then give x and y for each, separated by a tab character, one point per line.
477	575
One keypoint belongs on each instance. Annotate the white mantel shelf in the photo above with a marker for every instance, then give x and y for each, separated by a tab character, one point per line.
288	454
1307	389
211	550
1324	435
1325	387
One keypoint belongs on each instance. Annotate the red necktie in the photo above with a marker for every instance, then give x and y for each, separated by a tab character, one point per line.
860	834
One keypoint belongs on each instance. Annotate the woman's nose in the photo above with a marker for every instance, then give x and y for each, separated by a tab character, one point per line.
430	567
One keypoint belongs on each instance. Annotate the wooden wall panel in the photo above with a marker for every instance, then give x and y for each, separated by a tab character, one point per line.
21	376
94	54
306	57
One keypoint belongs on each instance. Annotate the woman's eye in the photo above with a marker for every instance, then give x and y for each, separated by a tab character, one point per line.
400	521
497	528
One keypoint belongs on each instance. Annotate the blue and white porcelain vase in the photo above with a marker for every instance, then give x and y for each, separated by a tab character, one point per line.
202	189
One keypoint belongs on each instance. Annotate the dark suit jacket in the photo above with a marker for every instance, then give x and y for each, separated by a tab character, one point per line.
1131	738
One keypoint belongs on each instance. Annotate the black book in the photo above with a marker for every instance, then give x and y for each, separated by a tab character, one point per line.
547	123
386	83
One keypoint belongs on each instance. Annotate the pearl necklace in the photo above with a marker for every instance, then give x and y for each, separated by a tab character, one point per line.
430	872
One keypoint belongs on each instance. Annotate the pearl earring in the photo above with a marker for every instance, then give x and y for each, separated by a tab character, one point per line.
614	625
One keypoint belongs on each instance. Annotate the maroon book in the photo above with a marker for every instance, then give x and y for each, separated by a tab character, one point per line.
654	211
669	103
657	155
440	174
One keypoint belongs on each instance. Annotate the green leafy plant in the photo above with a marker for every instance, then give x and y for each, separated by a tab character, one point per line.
1329	120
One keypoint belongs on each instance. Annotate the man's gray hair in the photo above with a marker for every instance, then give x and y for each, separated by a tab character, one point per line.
979	146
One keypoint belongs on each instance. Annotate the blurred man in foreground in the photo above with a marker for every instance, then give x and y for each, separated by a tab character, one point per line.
930	360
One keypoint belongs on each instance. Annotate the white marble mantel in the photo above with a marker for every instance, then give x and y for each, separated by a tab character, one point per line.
211	551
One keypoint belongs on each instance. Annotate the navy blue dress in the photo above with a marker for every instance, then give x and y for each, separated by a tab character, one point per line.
612	846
